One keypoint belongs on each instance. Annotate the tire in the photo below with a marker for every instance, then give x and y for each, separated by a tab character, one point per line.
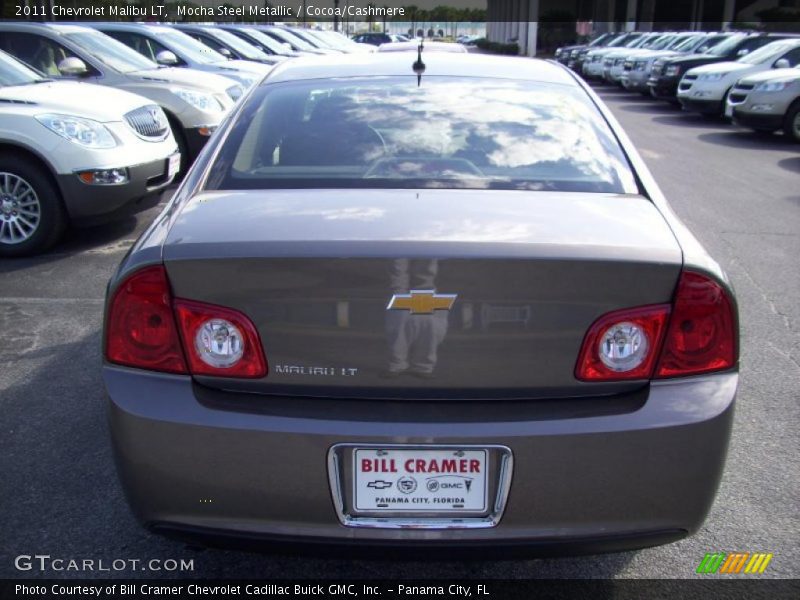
183	147
32	214
791	122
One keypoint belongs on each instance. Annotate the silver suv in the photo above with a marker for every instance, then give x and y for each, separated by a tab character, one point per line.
195	103
768	101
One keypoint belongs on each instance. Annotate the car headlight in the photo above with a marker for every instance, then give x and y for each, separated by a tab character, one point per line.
558	52
773	86
712	76
672	71
85	132
235	92
199	100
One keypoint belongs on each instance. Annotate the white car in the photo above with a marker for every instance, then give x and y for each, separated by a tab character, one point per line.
73	153
195	103
170	47
705	89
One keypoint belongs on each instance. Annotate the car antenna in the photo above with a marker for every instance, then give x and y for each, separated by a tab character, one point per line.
419	66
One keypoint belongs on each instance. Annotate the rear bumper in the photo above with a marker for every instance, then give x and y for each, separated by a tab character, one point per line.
87	204
636	473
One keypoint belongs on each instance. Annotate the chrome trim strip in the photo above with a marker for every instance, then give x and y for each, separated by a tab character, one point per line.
505	471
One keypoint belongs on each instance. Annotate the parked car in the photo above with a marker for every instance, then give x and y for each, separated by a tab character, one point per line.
768	101
227	44
429	47
283	35
261	40
73	153
195	103
705	89
378	38
577	55
593	60
637	69
563	54
341	42
317	42
173	48
614	60
381	316
663	82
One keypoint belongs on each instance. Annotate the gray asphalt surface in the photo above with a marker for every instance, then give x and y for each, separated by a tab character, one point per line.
739	193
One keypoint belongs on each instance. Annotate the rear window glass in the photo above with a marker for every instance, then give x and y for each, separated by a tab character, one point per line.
445	133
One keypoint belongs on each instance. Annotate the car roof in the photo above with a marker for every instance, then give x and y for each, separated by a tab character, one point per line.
57	28
411	46
436	64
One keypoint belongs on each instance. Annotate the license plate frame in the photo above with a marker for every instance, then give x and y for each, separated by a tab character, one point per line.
498	466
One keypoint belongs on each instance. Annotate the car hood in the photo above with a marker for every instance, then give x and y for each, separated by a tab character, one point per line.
782	74
97	102
245	66
722	67
200	80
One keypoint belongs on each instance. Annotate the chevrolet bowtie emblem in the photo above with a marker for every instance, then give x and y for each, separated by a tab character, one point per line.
422	302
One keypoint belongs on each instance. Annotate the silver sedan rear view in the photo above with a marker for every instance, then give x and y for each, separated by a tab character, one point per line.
435	302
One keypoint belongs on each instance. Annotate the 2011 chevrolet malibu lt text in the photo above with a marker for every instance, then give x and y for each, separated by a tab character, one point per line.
435	306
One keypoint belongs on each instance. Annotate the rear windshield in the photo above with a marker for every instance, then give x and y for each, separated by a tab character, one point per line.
445	133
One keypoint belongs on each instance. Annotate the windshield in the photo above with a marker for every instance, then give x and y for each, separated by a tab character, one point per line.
238	44
710	42
270	43
624	40
187	47
767	53
110	52
726	47
311	39
291	39
13	72
662	42
600	40
445	133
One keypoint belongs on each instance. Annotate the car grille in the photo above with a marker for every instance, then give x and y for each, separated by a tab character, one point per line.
737	98
627	65
149	122
608	62
658	68
744	86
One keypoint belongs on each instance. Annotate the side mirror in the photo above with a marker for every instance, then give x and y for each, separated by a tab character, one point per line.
743	52
73	67
782	63
226	53
166	58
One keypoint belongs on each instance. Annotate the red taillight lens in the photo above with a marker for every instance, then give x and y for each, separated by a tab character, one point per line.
623	344
219	341
141	330
701	336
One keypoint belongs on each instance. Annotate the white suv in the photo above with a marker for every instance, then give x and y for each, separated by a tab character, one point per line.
705	89
73	153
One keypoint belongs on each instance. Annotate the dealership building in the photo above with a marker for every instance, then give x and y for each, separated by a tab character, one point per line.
526	21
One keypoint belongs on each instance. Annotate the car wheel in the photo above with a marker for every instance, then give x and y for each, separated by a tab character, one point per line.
791	123
32	215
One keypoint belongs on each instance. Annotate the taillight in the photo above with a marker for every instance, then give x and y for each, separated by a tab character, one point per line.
701	336
219	341
697	334
141	329
623	344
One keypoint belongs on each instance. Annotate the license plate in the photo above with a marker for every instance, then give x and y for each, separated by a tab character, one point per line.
728	110
420	480
173	165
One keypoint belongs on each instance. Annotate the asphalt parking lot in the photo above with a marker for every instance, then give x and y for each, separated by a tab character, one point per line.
737	191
